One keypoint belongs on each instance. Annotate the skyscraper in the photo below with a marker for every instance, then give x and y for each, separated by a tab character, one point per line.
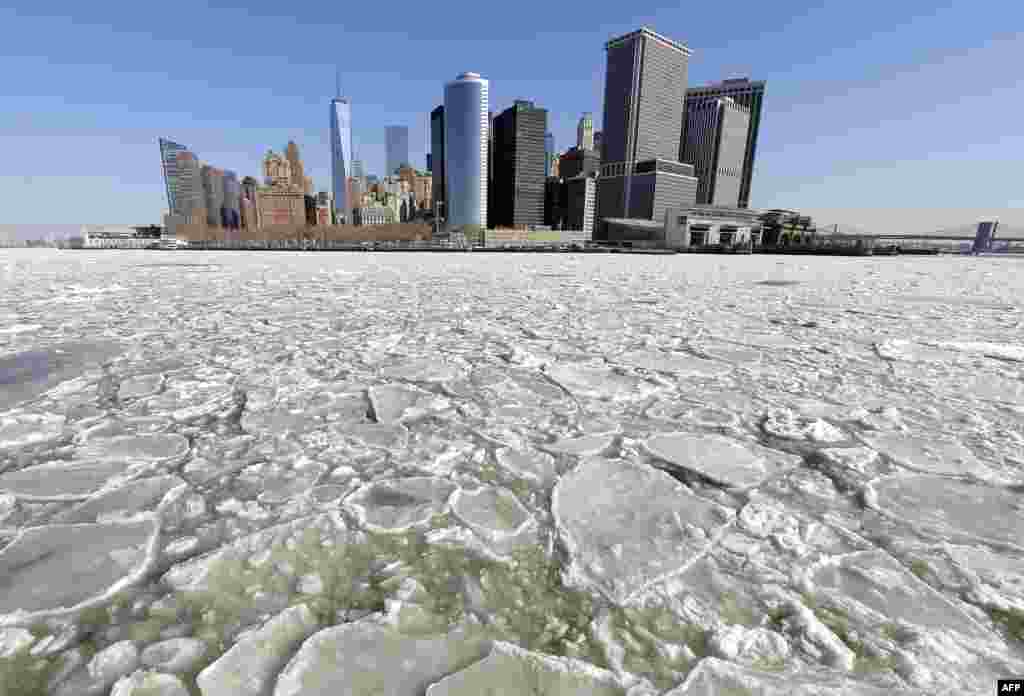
641	176
549	150
341	157
437	157
213	191
188	190
716	139
748	94
169	159
598	141
396	143
465	145
519	163
585	132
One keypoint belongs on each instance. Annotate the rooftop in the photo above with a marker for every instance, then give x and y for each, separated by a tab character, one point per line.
651	34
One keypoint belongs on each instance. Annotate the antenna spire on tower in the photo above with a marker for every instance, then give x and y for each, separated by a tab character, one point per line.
337	81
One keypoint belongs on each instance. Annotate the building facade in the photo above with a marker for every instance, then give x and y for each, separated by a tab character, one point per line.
465	145
213	191
396	148
188	190
280	206
580	197
643	113
341	157
549	153
585	132
748	94
598	142
374	216
519	159
169	160
575	161
437	159
716	141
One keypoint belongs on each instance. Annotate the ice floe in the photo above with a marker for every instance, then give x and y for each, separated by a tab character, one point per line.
628	525
724	460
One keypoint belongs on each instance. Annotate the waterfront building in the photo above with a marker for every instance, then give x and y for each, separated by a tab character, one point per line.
437	159
519	159
748	94
188	191
341	157
585	132
575	162
580	200
231	214
280	206
549	152
645	85
169	160
465	143
716	141
213	192
374	215
396	146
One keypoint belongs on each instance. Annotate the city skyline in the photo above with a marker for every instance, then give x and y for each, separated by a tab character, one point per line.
822	147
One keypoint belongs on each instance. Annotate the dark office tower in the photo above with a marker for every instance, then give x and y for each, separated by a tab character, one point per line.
169	159
519	165
396	142
437	155
430	162
716	139
577	161
491	217
645	83
747	94
549	150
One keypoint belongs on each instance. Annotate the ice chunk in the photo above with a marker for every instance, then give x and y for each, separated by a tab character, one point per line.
400	504
948	507
114	662
493	513
127	499
628	525
60	566
366	657
511	671
175	656
60	480
164	448
714	677
721	459
149	684
252	663
928	455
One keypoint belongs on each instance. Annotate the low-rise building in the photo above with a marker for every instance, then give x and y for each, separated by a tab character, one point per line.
376	215
686	228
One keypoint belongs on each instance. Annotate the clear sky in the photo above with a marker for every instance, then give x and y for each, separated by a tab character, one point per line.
874	111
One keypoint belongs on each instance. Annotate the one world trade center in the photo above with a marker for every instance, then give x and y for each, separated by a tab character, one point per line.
341	158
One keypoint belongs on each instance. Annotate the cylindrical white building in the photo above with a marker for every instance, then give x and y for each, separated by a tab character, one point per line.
465	150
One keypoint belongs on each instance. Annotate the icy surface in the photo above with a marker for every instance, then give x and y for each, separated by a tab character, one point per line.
688	474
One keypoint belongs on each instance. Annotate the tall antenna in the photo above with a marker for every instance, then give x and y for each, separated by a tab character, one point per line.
337	81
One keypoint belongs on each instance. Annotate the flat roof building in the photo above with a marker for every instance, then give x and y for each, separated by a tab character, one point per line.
645	86
716	140
519	133
748	94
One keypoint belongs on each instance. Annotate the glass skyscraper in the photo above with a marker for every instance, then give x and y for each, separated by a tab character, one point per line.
169	159
549	150
396	145
341	157
465	150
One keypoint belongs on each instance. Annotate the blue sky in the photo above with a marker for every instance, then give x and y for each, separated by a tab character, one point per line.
871	106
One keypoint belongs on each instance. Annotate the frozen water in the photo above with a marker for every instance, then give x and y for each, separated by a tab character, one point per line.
191	448
61	566
367	657
628	525
723	460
